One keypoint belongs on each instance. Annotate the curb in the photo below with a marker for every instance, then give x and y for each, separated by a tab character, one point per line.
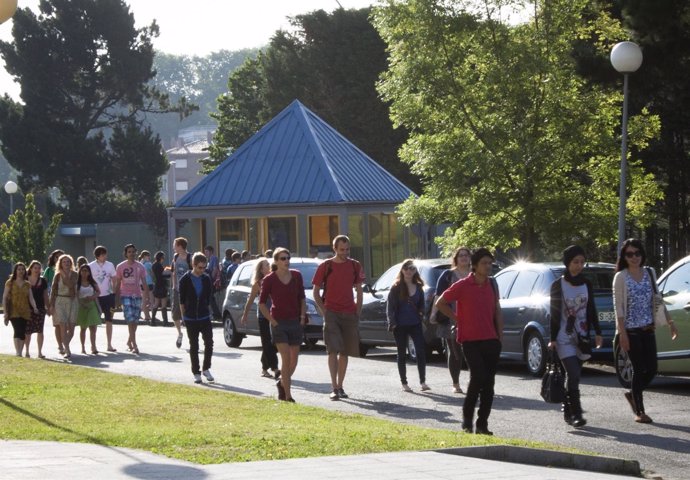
549	458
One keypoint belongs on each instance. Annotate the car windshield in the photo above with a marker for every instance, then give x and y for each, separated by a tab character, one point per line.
307	270
430	275
600	278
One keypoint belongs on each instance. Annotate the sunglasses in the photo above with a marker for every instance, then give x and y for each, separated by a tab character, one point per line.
282	259
636	253
410	268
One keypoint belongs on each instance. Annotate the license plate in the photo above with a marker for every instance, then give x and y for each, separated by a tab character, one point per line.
607	317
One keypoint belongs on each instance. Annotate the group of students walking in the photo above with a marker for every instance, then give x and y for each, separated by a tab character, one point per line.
466	310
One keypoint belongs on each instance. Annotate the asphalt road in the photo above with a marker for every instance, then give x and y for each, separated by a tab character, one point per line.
662	448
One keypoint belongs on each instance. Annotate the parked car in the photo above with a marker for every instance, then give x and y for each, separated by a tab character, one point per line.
373	328
238	291
673	355
525	298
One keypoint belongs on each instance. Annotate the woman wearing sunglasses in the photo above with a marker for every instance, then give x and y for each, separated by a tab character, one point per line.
633	301
404	312
287	315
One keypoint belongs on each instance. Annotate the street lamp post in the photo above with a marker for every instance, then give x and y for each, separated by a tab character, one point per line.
11	189
174	182
626	58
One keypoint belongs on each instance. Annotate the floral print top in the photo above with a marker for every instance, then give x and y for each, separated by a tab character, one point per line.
639	311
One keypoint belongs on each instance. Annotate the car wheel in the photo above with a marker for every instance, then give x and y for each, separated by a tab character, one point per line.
232	338
623	367
535	353
363	349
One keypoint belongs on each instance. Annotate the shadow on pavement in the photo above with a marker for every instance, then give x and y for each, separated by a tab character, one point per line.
161	470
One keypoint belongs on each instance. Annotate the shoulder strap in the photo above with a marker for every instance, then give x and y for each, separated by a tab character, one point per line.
652	279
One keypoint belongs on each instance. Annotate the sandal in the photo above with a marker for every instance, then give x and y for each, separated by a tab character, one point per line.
111	349
265	374
40	355
94	351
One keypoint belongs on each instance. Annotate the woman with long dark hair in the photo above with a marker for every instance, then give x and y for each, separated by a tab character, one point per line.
573	315
88	315
39	290
269	357
404	311
49	274
18	304
460	268
160	288
633	302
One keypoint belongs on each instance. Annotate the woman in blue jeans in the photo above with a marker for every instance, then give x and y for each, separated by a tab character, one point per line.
404	312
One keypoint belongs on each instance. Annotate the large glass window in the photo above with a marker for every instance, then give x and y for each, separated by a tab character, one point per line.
322	230
282	232
386	240
254	236
355	232
231	234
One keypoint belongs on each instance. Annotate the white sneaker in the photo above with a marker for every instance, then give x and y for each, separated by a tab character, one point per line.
207	374
406	388
197	378
425	387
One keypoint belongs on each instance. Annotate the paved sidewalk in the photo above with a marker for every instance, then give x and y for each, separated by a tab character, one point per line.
22	460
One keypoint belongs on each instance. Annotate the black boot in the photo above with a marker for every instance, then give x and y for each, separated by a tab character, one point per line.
153	317
573	398
164	313
565	408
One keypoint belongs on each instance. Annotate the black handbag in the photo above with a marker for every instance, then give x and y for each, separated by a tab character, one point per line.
584	343
553	381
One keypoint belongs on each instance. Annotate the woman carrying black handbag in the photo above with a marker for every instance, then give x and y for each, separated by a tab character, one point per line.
573	314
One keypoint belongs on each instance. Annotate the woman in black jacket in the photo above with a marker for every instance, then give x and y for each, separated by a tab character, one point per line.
573	315
196	289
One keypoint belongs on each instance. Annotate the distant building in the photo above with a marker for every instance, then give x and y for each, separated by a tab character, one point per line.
183	174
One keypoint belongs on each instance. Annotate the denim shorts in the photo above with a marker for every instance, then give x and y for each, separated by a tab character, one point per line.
287	331
131	307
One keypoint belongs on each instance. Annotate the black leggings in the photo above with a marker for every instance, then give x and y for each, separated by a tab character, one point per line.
482	360
269	355
454	353
642	355
19	326
415	332
573	371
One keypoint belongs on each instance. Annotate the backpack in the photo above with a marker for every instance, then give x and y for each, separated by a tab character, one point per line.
329	269
189	262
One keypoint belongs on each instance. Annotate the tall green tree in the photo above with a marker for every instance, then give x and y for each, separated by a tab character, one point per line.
199	79
25	237
84	70
331	62
513	147
662	84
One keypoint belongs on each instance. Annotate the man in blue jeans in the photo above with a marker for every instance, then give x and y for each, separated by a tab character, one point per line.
196	289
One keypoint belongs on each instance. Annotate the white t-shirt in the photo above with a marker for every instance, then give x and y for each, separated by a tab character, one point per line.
103	274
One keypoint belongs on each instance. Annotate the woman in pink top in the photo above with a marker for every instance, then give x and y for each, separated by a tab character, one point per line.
480	332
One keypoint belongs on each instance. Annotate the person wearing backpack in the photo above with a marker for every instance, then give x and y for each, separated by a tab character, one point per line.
337	277
181	264
480	332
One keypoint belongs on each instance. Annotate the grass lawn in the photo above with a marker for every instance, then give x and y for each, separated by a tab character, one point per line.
42	400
